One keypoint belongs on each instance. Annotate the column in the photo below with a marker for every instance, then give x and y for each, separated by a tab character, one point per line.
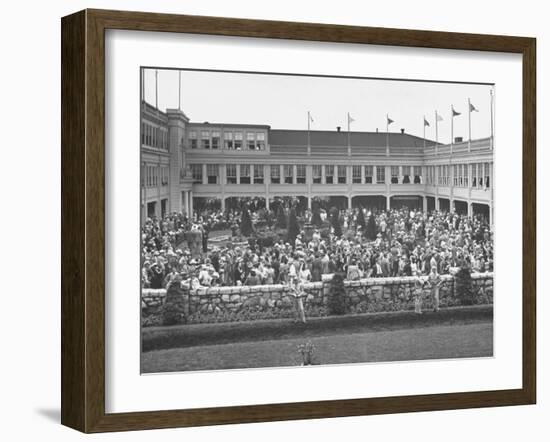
309	202
223	204
204	176
425	204
186	202
469	209
388	202
349	201
323	175
191	204
400	176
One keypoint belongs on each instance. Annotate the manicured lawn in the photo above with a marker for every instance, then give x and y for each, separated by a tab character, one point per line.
450	333
437	342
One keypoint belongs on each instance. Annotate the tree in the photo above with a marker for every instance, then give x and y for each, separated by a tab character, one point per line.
293	226
246	223
281	218
335	221
371	228
316	217
173	310
463	286
361	220
336	302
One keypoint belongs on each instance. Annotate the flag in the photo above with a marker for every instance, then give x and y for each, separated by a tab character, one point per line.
473	108
455	113
438	117
350	119
310	117
426	123
390	121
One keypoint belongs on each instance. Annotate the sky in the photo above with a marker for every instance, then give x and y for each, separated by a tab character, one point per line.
282	102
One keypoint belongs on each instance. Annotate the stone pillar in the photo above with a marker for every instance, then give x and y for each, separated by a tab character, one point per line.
191	204
388	202
349	201
186	202
470	209
177	122
425	204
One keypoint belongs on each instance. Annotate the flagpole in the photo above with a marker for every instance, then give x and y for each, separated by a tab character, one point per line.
179	91
492	133
387	136
143	88
349	142
452	129
436	132
308	138
157	89
424	125
469	125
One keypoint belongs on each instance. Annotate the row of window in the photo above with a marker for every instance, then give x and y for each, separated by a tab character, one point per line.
296	174
153	176
441	175
154	136
232	140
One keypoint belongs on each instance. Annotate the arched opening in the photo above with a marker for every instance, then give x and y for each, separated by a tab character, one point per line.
369	202
412	202
430	203
461	207
444	205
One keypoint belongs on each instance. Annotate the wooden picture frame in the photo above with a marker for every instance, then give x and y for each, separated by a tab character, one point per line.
83	220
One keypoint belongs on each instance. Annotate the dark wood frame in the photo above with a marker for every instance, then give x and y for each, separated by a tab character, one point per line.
83	217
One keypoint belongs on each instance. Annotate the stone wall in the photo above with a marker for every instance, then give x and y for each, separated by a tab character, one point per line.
225	304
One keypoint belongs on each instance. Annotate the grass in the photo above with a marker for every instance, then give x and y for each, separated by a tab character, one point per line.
436	342
162	338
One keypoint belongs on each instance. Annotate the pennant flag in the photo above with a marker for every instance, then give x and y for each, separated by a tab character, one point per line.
438	117
426	123
310	117
455	113
350	118
473	108
390	121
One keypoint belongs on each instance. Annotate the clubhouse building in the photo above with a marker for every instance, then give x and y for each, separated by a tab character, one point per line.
189	165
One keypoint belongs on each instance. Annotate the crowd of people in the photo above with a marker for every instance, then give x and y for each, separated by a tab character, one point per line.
404	242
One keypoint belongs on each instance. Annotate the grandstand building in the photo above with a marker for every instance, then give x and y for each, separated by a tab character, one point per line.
187	165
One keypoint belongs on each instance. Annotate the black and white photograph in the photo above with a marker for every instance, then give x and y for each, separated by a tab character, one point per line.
301	220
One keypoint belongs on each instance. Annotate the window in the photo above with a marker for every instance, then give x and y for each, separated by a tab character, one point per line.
465	172
342	175
245	173
316	172
380	174
455	175
142	133
215	140
474	174
196	172
394	174
275	174
301	174
480	175
238	144
406	174
228	137
164	176
417	172
487	175
250	141
368	174
260	141
258	174
193	139
329	174
289	173
205	139
356	174
212	171
231	173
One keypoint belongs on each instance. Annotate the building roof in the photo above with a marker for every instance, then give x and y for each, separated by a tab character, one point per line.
284	137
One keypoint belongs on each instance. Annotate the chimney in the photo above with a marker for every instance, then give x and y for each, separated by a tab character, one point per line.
338	128
402	130
376	130
458	140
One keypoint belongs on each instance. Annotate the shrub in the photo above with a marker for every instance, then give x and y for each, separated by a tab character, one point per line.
464	287
316	218
336	303
246	224
371	228
361	220
173	311
293	226
281	218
